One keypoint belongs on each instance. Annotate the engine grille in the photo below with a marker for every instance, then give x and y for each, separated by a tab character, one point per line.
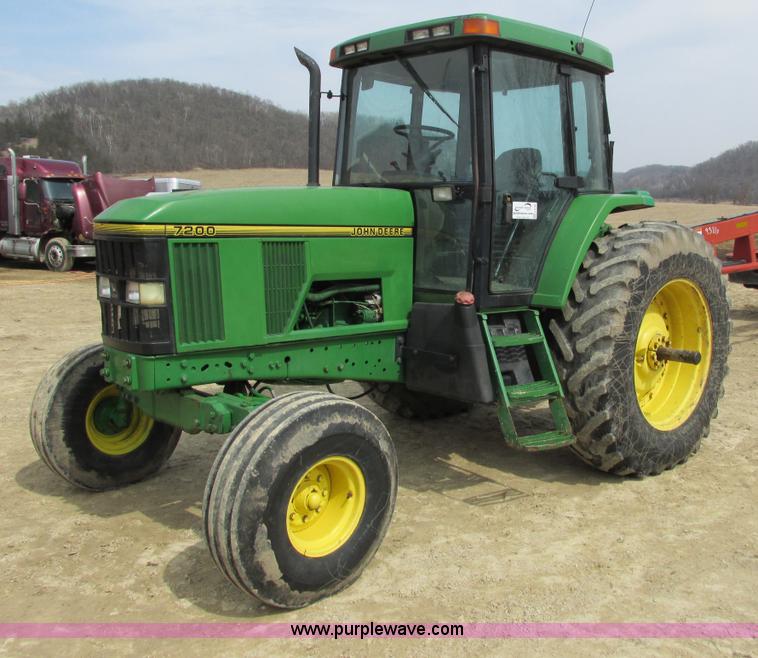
284	276
200	316
127	326
142	260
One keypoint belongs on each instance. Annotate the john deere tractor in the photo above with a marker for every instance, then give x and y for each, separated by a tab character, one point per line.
461	256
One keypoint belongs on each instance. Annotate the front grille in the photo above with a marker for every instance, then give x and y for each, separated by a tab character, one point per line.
200	316
136	324
127	326
143	260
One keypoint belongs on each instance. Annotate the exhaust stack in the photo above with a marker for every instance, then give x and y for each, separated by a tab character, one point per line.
314	115
14	220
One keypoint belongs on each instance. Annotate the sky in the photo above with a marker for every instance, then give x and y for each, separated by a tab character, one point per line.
685	86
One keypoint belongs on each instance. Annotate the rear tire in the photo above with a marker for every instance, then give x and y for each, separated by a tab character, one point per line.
70	429
399	400
269	530
58	256
639	287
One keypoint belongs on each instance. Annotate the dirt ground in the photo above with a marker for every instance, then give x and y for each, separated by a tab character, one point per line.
481	533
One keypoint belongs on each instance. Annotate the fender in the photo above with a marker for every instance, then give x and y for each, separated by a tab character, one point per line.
583	222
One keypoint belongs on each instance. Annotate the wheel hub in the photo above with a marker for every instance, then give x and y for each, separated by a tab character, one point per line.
325	506
310	497
676	321
55	255
113	426
653	362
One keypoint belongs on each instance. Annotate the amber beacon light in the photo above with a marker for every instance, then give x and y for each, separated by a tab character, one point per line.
481	26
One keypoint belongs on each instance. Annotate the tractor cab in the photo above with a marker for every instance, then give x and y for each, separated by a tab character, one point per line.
492	139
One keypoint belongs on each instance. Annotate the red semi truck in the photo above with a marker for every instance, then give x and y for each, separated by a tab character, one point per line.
47	207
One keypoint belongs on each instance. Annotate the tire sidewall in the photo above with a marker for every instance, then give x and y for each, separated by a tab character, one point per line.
67	441
282	576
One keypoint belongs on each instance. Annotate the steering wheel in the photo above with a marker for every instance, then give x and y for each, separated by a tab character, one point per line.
440	134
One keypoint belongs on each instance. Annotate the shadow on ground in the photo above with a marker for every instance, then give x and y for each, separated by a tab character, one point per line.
463	458
80	265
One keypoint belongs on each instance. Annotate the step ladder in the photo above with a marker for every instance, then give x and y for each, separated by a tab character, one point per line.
546	386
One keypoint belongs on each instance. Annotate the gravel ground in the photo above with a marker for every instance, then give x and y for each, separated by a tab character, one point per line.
481	533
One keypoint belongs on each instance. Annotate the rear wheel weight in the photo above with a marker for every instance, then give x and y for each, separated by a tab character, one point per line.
642	287
257	486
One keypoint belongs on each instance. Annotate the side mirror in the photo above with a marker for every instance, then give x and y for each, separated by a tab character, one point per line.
22	191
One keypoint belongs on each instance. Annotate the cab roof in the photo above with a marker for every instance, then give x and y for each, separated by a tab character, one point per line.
43	167
454	30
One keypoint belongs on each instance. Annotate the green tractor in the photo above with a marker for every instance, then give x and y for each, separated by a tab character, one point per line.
461	256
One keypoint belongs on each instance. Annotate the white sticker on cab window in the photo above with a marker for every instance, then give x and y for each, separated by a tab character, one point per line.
524	210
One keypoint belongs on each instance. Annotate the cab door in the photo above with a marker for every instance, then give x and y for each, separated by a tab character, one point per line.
531	171
32	207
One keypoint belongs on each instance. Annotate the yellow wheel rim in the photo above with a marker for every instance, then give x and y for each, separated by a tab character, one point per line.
669	391
325	506
111	430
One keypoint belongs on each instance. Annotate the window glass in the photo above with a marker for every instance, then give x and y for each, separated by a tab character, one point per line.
589	130
529	156
33	194
58	190
442	242
409	121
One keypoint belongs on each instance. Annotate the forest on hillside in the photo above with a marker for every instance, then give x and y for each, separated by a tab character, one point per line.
150	125
161	125
731	177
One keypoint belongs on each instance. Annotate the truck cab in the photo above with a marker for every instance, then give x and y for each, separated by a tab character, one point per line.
37	204
48	207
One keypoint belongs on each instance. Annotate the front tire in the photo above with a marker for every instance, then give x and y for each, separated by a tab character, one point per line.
86	434
640	288
58	256
300	497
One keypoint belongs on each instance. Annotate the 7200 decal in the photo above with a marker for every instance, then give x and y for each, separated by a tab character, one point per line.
193	230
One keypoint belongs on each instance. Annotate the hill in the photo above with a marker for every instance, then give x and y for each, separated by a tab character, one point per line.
158	125
659	180
146	125
731	176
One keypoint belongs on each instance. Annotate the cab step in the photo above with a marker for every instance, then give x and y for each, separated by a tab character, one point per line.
513	340
521	328
545	441
539	390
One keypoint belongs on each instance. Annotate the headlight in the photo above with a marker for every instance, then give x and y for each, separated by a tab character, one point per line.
104	288
146	294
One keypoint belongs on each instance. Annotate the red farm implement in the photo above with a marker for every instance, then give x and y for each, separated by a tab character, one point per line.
741	263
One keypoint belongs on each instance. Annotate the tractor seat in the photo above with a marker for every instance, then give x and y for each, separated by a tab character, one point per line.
517	172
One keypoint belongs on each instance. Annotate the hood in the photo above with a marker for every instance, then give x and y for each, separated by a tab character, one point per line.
268	206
